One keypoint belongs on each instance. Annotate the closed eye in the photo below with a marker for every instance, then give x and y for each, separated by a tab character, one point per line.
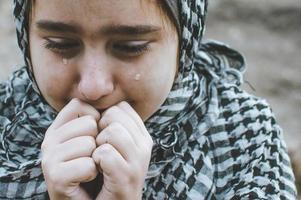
131	48
64	47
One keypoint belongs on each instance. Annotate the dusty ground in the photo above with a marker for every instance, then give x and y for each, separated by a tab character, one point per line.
267	32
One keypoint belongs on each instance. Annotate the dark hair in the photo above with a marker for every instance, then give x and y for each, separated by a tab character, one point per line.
173	10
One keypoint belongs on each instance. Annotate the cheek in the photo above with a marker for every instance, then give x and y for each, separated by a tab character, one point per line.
161	70
57	82
60	81
54	79
156	75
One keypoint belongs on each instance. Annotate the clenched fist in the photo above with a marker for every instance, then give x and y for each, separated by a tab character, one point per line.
123	153
80	144
67	149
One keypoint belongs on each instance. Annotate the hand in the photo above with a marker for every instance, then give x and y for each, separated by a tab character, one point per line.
67	149
123	153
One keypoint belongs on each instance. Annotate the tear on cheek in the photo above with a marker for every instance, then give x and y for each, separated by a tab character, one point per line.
137	77
65	61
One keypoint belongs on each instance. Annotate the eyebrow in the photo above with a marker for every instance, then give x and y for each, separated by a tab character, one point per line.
56	27
61	27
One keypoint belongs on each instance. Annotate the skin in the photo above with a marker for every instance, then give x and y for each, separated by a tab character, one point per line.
105	66
100	52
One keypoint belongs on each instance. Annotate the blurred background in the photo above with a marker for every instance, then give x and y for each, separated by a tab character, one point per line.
267	32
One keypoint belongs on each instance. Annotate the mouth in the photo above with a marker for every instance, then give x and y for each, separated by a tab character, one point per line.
102	109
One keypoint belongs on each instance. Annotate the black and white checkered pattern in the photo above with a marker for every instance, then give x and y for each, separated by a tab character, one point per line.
212	140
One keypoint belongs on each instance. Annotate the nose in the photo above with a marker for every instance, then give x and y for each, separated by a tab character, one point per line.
96	81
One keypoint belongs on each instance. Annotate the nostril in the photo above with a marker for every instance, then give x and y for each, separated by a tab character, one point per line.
86	97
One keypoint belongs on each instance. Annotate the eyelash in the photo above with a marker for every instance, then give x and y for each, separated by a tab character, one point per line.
69	49
58	45
131	50
64	48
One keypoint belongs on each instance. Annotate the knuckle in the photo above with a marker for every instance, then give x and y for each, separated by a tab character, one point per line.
112	131
103	152
55	178
113	127
44	163
106	148
91	169
123	104
89	143
75	102
94	124
46	146
91	122
108	116
90	166
133	176
59	187
95	156
47	161
112	111
103	121
99	137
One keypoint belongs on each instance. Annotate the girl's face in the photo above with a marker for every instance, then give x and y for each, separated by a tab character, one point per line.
103	52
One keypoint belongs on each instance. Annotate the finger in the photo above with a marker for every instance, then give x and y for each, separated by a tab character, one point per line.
80	170
74	109
109	160
129	109
117	136
83	126
132	113
115	114
75	148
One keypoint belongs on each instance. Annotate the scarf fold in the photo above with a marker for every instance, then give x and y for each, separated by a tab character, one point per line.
25	116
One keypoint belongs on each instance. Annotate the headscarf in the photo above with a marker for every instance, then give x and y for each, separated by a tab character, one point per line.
179	128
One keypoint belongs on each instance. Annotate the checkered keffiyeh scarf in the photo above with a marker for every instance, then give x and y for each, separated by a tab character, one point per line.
212	139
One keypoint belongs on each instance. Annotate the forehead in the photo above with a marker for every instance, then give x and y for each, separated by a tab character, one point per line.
118	11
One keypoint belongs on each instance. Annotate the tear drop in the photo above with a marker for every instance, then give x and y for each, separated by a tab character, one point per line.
137	77
65	61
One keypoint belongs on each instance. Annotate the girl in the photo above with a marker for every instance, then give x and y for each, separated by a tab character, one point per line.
121	100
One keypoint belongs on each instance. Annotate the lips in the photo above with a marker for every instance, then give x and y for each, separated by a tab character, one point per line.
102	109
